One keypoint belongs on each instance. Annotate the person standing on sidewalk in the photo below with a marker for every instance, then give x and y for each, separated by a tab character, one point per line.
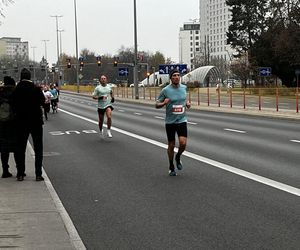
104	94
7	124
174	97
27	103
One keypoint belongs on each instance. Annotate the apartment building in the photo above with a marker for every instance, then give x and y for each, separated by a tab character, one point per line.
13	47
214	22
189	43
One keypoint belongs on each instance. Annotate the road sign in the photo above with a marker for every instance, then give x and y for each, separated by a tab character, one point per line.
297	72
80	76
123	71
166	68
264	71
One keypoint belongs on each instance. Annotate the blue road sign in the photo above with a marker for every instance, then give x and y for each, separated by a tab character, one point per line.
123	72
166	68
265	71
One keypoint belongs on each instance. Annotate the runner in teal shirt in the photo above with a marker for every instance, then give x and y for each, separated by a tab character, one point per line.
174	97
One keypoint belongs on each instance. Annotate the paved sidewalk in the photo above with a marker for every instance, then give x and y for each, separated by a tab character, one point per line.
31	215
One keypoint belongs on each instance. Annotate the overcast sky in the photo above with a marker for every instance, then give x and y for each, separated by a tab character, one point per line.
103	25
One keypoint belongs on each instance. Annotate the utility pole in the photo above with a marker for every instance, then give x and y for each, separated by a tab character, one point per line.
34	77
135	63
46	62
76	39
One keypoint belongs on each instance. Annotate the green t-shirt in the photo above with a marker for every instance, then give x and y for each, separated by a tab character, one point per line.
104	95
175	109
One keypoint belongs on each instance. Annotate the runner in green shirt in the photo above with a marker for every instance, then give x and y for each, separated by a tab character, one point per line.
104	94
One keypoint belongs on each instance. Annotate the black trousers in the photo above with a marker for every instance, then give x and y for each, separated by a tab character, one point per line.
23	132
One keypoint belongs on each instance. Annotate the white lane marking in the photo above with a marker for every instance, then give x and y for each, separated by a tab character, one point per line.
73	234
236	131
159	117
254	177
121	110
138	114
297	141
192	123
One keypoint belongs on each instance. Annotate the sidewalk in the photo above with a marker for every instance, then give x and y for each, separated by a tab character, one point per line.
31	215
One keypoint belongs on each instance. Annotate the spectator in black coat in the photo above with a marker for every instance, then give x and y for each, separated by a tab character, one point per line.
27	102
7	124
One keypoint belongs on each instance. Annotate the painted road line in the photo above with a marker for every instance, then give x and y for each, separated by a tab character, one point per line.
121	110
192	123
236	131
266	181
159	117
138	114
297	141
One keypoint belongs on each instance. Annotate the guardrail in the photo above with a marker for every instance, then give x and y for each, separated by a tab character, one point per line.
258	98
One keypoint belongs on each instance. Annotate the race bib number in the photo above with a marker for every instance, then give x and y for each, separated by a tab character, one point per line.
177	109
103	98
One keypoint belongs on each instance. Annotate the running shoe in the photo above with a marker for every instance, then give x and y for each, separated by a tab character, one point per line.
178	163
172	173
109	135
101	134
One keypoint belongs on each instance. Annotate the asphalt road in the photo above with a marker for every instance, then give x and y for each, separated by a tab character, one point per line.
239	188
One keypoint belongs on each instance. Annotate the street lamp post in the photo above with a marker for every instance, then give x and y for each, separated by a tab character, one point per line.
46	65
57	43
34	77
76	39
135	63
61	71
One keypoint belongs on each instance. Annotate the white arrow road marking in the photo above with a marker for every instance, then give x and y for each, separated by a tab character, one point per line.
159	117
138	114
266	181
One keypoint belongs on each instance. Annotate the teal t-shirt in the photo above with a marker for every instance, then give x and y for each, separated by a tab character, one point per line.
104	93
175	109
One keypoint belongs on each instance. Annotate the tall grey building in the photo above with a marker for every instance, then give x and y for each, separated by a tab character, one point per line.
13	47
214	22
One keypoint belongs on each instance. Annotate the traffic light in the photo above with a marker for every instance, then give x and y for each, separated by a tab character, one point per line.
42	67
16	69
31	67
116	61
98	61
4	72
53	69
148	75
68	63
81	64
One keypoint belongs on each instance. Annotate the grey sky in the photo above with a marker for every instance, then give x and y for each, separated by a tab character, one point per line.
103	25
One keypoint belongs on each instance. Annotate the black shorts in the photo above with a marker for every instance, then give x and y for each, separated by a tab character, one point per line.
102	111
179	128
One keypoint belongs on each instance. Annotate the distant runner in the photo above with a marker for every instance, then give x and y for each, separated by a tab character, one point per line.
104	94
174	97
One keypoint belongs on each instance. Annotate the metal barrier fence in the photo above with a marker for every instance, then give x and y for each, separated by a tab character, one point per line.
259	98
